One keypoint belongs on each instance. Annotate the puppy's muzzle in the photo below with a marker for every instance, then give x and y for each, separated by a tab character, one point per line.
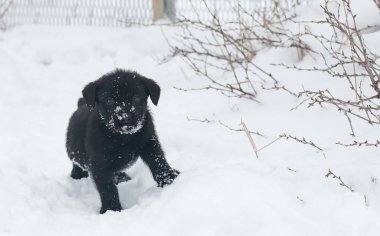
123	119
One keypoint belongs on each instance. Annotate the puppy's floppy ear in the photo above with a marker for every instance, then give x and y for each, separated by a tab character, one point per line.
89	94
153	89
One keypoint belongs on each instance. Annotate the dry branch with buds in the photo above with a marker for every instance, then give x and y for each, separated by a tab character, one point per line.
249	132
206	120
341	183
361	144
301	140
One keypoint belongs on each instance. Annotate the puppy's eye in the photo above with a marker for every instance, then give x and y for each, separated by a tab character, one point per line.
110	101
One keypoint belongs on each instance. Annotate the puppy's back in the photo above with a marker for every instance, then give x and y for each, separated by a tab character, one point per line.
76	132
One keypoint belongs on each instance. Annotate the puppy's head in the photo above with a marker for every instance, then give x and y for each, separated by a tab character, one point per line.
121	99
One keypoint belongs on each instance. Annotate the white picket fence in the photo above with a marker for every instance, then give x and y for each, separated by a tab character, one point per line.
79	12
226	9
120	13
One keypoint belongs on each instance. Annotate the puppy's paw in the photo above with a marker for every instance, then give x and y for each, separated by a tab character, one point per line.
120	177
78	173
166	177
110	208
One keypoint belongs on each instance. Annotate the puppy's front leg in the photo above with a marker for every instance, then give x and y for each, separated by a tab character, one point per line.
109	196
153	155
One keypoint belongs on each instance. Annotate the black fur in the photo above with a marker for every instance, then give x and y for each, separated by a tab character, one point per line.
111	128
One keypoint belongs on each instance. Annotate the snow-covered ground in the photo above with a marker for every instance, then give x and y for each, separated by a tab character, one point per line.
223	189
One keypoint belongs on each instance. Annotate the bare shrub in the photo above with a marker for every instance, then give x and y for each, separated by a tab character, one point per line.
216	48
219	47
346	56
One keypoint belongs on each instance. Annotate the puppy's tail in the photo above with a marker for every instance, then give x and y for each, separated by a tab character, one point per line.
81	102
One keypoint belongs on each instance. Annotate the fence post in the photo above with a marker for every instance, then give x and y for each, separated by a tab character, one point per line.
158	9
170	10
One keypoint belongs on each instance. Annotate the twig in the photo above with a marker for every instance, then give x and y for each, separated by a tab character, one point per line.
364	144
303	141
278	87
330	173
206	120
239	130
267	145
301	200
250	138
366	202
248	132
350	123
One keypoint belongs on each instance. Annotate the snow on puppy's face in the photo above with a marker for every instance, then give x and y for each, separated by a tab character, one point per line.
121	100
122	105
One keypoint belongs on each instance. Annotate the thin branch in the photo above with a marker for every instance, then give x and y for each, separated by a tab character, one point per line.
206	120
361	144
341	183
301	140
250	138
239	130
267	145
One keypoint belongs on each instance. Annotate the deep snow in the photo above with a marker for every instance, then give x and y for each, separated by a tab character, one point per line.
223	188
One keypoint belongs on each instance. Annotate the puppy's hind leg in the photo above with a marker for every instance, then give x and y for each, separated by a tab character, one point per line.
78	173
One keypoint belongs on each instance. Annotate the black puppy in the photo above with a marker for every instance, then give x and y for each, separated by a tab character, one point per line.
111	128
